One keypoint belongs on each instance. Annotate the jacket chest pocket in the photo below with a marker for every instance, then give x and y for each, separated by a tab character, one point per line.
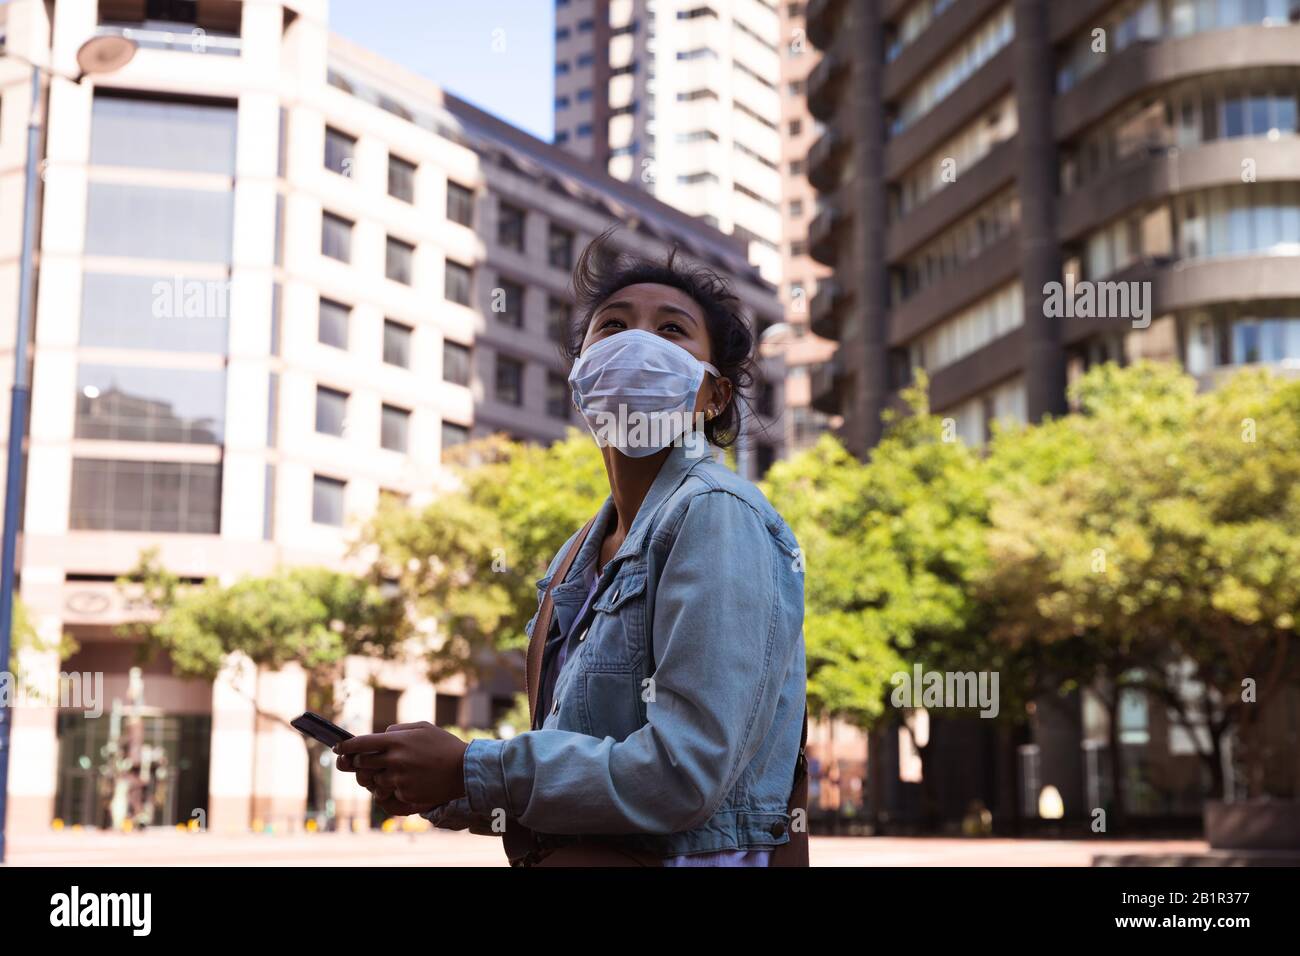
615	635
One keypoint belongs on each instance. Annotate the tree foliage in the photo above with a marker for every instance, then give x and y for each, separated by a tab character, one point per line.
470	560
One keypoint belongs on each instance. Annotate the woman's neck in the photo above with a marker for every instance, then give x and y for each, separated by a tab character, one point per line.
629	482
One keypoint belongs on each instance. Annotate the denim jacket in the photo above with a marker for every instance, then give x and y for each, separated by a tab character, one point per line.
677	715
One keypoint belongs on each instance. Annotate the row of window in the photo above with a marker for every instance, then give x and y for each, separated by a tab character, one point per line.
336	243
340	157
970	329
941	80
1246	219
512	233
1152	20
180	497
956	156
1260	102
1243	334
957	245
915	20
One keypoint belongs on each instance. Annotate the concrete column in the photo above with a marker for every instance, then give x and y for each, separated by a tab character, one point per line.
230	762
1040	254
866	355
280	760
356	699
33	741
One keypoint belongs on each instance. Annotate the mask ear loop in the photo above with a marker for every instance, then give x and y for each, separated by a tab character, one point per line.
711	413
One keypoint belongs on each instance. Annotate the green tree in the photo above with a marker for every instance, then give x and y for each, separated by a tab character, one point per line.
1157	529
470	560
314	616
893	549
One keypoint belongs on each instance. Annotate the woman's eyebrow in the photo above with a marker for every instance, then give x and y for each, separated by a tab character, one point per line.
677	310
618	304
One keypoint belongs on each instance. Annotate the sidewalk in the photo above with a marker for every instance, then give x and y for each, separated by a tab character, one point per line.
446	848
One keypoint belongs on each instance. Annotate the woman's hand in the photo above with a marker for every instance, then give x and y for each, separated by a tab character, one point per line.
411	768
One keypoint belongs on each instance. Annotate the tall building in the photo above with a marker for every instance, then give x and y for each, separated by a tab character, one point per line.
682	98
977	151
802	276
278	277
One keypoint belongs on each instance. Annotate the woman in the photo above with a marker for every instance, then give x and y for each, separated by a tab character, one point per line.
671	702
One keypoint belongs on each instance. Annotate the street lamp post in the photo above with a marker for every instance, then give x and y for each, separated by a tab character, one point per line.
102	54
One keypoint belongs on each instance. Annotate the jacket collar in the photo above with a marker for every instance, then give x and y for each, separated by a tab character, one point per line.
679	462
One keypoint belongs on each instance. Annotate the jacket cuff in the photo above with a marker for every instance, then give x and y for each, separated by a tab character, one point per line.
485	778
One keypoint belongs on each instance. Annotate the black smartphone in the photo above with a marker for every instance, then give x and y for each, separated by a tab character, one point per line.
318	728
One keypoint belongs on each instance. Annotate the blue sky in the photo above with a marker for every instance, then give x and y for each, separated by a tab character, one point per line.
498	54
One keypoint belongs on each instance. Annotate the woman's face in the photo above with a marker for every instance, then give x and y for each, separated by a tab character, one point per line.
670	314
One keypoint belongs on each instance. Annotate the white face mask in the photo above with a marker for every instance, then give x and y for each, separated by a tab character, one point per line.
637	390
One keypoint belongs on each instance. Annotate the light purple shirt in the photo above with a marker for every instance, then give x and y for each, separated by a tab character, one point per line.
715	858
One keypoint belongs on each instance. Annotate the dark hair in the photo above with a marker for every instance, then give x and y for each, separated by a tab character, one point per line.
602	270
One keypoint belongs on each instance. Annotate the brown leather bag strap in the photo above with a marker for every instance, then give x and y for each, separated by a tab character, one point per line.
542	626
794	852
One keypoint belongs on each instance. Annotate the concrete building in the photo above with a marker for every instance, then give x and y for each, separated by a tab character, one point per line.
684	100
277	277
802	276
976	151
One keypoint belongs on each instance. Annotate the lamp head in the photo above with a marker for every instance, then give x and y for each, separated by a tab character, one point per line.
104	54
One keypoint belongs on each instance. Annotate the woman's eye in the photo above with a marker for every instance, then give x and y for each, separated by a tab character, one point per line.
607	323
672	327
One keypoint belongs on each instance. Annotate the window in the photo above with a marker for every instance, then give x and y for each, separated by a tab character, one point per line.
460	204
559	247
401	179
339	151
327	500
394	428
154	496
153	222
331	411
397	344
453	435
510	226
336	237
509	380
508	302
559	398
458	282
139	403
162	134
455	362
112	316
397	260
559	318
332	328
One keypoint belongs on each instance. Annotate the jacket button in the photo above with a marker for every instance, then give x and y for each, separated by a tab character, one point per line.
556	708
615	597
583	636
777	828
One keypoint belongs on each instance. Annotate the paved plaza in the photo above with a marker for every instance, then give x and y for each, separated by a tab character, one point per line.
443	848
